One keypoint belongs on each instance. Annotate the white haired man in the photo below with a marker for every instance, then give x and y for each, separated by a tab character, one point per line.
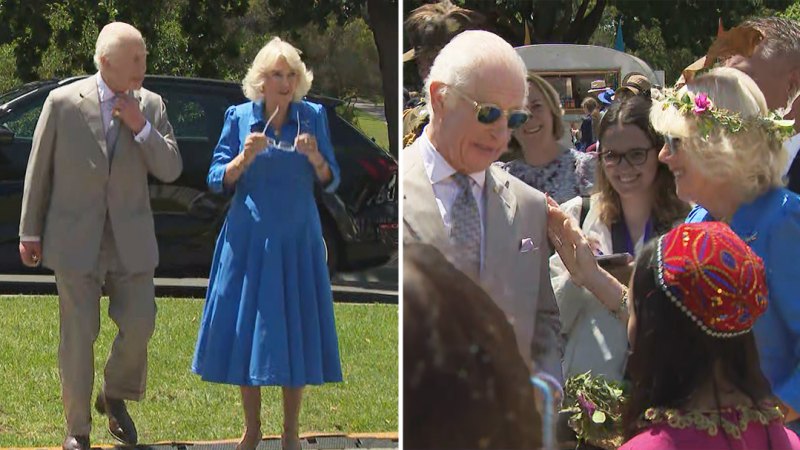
775	67
86	215
492	225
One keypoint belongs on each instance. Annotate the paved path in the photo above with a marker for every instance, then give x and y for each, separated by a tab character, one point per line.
375	285
372	109
373	441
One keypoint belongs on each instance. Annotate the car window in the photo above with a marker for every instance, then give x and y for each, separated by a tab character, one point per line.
22	120
195	114
187	116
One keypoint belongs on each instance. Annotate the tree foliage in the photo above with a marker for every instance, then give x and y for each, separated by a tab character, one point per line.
548	21
381	15
207	38
669	35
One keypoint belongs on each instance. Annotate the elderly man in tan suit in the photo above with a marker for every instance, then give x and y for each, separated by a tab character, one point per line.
86	215
491	225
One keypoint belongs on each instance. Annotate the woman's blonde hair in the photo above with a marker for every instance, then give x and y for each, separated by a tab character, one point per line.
265	60
752	158
552	100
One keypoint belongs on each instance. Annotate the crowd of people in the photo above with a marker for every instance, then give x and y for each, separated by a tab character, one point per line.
666	254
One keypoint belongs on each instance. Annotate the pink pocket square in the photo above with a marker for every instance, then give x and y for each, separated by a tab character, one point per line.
526	245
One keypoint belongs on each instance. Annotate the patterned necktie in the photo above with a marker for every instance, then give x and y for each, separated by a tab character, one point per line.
466	226
112	133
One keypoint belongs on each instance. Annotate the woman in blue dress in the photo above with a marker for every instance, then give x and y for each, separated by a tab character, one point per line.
268	318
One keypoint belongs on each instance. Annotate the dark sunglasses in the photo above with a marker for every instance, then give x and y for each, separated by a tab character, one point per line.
488	113
635	157
673	144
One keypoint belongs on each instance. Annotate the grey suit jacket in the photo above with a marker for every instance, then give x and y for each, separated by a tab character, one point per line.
70	184
518	281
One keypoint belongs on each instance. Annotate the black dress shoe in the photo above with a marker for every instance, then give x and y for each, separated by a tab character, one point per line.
76	443
120	424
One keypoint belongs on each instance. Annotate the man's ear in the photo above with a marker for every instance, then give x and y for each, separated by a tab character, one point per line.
794	79
437	96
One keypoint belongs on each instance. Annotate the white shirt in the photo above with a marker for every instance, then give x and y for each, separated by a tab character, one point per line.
791	146
445	189
105	95
107	105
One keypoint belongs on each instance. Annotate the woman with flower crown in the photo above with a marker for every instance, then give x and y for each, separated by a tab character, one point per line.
724	148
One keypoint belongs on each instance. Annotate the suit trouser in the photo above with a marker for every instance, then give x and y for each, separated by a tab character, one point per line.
132	308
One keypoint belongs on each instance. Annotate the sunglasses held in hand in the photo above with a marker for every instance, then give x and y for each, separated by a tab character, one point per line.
284	146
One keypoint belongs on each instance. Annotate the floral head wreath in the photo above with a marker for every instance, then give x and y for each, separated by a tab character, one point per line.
709	117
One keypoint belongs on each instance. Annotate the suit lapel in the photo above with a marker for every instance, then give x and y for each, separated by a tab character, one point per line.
89	105
501	206
420	211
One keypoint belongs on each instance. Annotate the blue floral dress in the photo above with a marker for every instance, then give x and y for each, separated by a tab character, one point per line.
568	176
268	317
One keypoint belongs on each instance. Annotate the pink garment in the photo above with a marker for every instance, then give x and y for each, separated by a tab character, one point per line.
664	437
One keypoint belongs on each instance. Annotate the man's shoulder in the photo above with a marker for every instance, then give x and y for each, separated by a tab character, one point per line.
411	156
521	190
69	91
150	96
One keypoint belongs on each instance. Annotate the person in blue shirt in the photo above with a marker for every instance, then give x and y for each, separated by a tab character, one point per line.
268	317
725	150
727	158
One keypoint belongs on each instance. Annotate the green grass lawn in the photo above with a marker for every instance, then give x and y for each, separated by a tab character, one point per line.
179	406
373	127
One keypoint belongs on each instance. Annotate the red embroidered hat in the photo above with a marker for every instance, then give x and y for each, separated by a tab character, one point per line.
713	276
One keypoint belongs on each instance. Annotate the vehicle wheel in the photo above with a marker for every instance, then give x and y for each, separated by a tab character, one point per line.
330	239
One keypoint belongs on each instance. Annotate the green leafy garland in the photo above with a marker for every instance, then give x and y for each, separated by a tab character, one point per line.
710	117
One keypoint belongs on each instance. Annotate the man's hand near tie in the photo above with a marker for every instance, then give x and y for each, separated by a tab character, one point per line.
126	108
30	252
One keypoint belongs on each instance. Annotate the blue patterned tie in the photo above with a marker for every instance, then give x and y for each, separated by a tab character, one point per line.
466	226
112	133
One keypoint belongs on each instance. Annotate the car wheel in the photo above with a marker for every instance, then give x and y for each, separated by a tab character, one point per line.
330	240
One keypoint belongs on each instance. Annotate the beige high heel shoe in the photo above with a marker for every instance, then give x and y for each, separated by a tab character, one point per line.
250	440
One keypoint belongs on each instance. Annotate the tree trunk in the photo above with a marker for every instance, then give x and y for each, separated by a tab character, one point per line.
383	23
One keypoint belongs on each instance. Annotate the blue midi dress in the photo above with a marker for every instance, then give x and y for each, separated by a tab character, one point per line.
268	317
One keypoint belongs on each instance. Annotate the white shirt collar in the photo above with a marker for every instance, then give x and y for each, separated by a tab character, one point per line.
437	168
105	92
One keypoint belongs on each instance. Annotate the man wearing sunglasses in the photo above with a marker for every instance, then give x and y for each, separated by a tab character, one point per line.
491	225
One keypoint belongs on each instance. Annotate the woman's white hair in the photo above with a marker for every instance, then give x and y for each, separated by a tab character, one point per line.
265	60
753	159
459	61
111	37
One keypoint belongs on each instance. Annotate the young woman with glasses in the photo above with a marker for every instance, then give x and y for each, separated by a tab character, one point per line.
634	201
539	159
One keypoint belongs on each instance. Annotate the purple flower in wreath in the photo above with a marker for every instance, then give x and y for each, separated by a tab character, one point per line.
701	103
587	405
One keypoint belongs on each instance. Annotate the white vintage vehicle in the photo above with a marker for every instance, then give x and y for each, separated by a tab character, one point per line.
571	68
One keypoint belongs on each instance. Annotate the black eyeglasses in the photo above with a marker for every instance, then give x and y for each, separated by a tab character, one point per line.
673	144
635	157
489	113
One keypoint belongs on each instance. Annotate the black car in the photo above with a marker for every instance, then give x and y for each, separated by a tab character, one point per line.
359	221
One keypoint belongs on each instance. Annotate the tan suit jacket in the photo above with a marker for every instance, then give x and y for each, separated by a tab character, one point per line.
518	281
71	186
